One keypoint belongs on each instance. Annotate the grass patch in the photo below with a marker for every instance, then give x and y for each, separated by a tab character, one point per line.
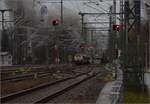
135	95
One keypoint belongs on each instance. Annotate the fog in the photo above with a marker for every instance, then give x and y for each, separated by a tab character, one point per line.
32	11
28	13
32	16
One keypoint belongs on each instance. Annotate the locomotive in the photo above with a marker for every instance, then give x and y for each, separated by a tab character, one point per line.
81	59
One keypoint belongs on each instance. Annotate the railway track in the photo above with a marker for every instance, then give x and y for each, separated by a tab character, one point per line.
32	75
22	77
28	76
46	92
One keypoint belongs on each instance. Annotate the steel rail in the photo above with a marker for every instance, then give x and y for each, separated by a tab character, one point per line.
28	91
62	91
23	77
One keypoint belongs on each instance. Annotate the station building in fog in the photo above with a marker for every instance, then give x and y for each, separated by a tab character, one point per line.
5	59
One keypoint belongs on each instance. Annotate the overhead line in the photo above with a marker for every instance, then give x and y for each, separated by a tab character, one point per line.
95	22
68	0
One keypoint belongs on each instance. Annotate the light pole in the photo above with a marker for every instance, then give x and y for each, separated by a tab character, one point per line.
61	18
149	38
146	55
148	43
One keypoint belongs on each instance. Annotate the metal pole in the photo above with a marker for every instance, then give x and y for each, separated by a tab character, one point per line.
148	50
82	23
146	56
115	46
3	20
114	10
2	27
149	39
47	54
92	42
61	18
126	23
110	33
121	41
56	47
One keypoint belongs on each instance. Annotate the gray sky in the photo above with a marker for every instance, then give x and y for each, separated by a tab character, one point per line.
74	6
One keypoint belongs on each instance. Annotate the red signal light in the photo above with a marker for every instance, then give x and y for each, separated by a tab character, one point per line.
117	27
55	22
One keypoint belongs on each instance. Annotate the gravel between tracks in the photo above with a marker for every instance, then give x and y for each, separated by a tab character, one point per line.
88	92
44	92
11	87
85	93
